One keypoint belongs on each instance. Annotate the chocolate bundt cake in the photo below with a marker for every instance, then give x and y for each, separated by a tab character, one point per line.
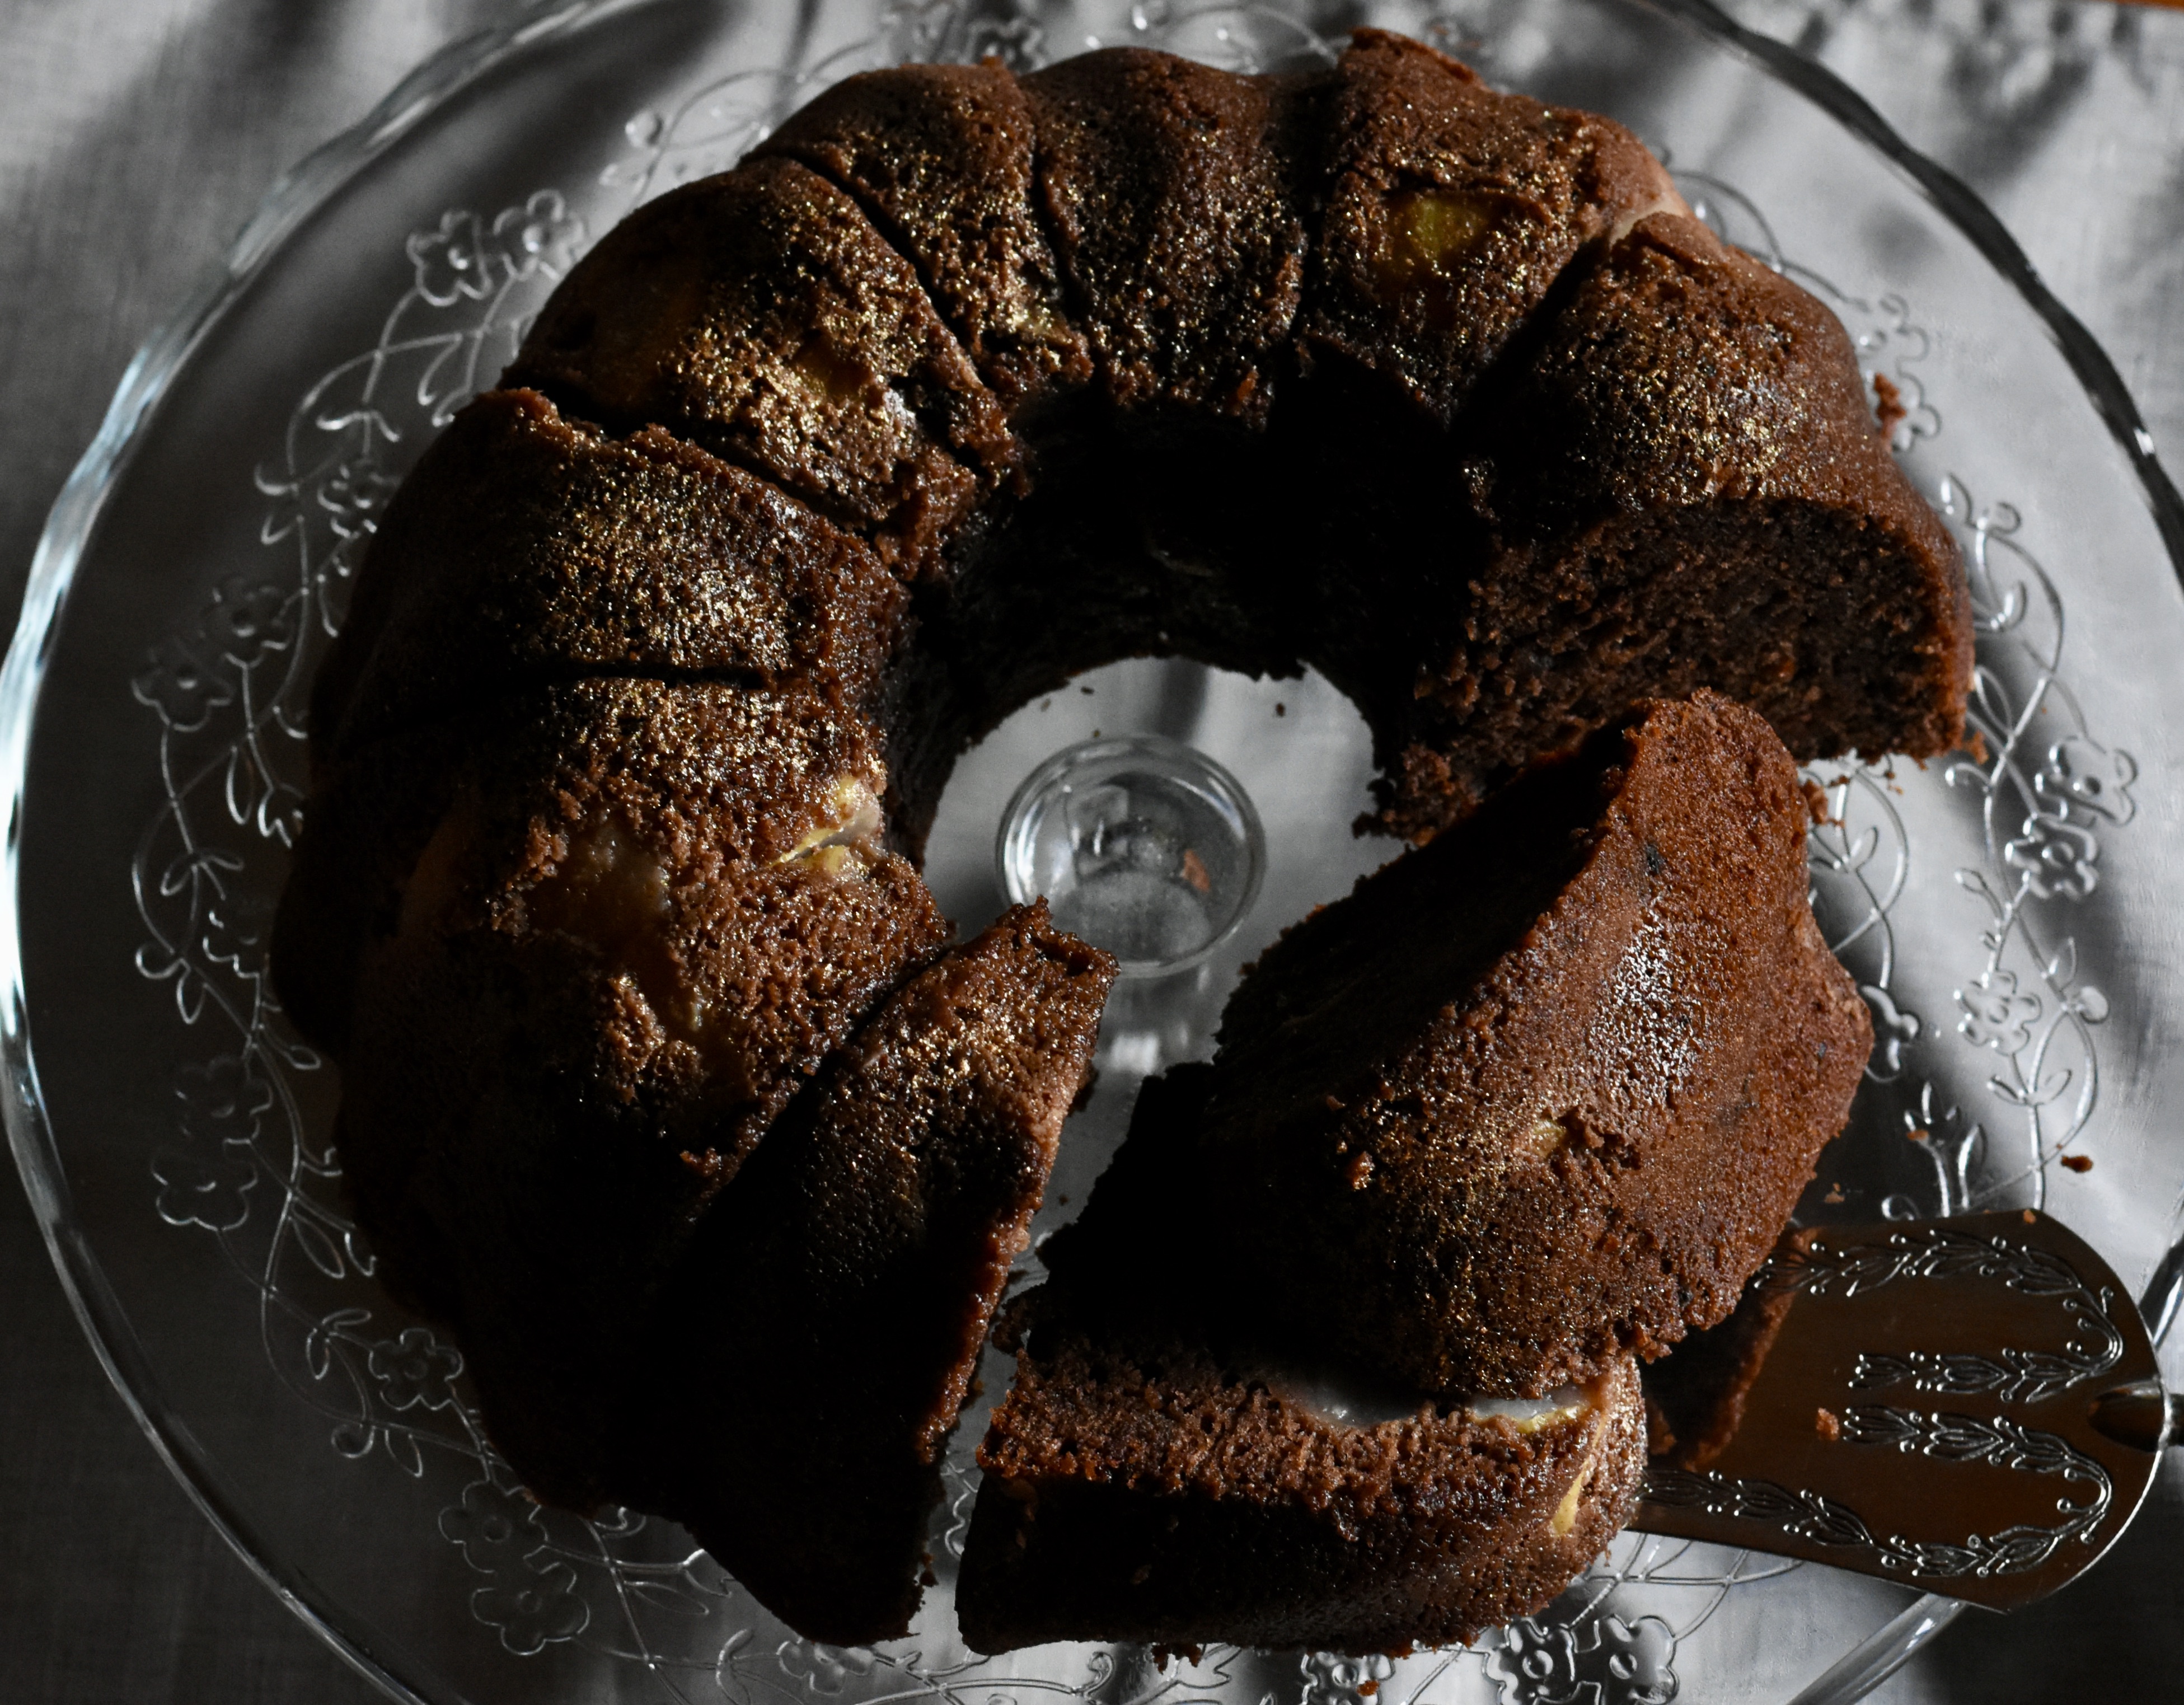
606	899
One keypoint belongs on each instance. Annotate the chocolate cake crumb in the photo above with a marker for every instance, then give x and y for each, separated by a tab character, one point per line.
1889	408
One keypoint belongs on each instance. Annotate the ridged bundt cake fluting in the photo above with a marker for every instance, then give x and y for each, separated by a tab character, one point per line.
663	1085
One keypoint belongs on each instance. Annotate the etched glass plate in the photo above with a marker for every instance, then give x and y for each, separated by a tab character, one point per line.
2007	913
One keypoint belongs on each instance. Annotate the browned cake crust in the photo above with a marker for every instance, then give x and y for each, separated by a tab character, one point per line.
1140	1487
941	156
528	548
850	1277
1683	487
611	964
1535	1097
1452	209
1173	191
963	384
760	316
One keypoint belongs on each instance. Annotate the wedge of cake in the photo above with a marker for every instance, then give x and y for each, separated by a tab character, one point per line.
1530	1103
1539	1094
823	1330
1142	1484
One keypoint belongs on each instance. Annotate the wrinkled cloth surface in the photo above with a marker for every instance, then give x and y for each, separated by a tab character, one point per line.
135	135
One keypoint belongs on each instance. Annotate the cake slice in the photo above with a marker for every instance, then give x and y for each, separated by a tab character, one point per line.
826	1323
942	158
1681	483
1141	1486
525	548
760	316
1539	1094
712	775
1451	210
643	917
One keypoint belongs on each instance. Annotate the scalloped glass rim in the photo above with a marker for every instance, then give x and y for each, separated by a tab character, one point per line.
292	200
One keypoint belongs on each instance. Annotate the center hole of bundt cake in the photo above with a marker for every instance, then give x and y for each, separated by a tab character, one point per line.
1141	845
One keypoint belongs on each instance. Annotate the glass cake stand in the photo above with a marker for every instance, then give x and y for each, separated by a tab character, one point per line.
2006	913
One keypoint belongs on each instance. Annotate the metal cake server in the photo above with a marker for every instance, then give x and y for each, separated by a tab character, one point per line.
1970	1406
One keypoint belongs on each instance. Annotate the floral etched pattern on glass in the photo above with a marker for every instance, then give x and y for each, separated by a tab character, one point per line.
1983	1098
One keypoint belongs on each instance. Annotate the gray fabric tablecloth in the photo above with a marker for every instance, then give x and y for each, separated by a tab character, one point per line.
135	137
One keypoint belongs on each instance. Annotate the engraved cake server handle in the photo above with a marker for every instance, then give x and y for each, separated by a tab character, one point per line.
1970	1407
